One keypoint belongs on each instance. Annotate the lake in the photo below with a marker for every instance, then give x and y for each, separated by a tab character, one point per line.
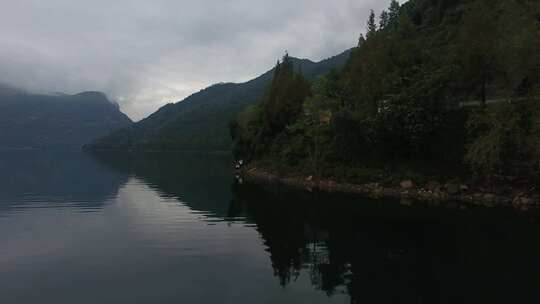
175	228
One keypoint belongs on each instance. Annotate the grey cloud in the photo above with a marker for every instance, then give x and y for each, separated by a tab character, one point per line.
144	54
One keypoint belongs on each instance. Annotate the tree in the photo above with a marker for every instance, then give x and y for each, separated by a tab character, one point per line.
396	100
393	12
245	131
518	47
288	91
314	123
384	19
361	40
477	49
504	141
371	25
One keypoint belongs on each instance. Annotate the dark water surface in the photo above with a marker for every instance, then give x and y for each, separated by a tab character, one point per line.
172	228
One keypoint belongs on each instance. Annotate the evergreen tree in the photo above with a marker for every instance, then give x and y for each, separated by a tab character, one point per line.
384	19
361	40
288	91
371	25
397	98
393	12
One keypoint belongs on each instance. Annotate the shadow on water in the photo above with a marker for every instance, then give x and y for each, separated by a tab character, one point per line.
55	178
201	181
384	252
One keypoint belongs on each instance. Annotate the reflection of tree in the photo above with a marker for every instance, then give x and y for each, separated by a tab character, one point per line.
285	239
389	253
325	274
292	241
340	254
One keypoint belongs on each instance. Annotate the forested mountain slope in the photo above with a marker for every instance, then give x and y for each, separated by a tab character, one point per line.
399	100
200	122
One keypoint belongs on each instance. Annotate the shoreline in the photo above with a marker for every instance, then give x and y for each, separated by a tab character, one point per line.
431	192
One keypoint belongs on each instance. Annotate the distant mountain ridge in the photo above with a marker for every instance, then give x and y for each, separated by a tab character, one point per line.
9	90
200	122
57	121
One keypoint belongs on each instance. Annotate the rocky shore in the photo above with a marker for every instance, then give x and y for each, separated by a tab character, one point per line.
431	192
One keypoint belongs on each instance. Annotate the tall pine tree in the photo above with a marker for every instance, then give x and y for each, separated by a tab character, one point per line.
371	25
288	91
361	40
384	19
393	12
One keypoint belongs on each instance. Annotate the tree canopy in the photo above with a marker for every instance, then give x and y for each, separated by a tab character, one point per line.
451	82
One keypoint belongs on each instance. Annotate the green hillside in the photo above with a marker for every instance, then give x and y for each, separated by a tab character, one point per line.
435	85
200	122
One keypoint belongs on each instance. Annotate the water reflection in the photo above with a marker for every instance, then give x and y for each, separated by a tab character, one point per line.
52	178
383	252
200	181
171	228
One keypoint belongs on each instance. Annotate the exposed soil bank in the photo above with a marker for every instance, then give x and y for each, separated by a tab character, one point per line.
450	192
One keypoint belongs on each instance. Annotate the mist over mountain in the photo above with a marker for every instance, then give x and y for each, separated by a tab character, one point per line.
57	121
7	90
200	122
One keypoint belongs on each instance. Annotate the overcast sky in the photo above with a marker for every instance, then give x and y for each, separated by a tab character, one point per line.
146	53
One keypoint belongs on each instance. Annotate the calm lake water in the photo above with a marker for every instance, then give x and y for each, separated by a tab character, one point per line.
172	228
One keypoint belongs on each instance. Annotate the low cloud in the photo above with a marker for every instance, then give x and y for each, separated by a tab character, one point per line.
144	54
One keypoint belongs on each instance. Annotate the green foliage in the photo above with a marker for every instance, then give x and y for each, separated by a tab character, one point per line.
477	49
410	90
384	19
371	24
200	122
506	138
246	132
286	95
313	126
361	40
497	49
393	11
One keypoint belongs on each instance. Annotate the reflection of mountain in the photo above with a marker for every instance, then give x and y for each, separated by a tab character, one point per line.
55	177
388	253
201	181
